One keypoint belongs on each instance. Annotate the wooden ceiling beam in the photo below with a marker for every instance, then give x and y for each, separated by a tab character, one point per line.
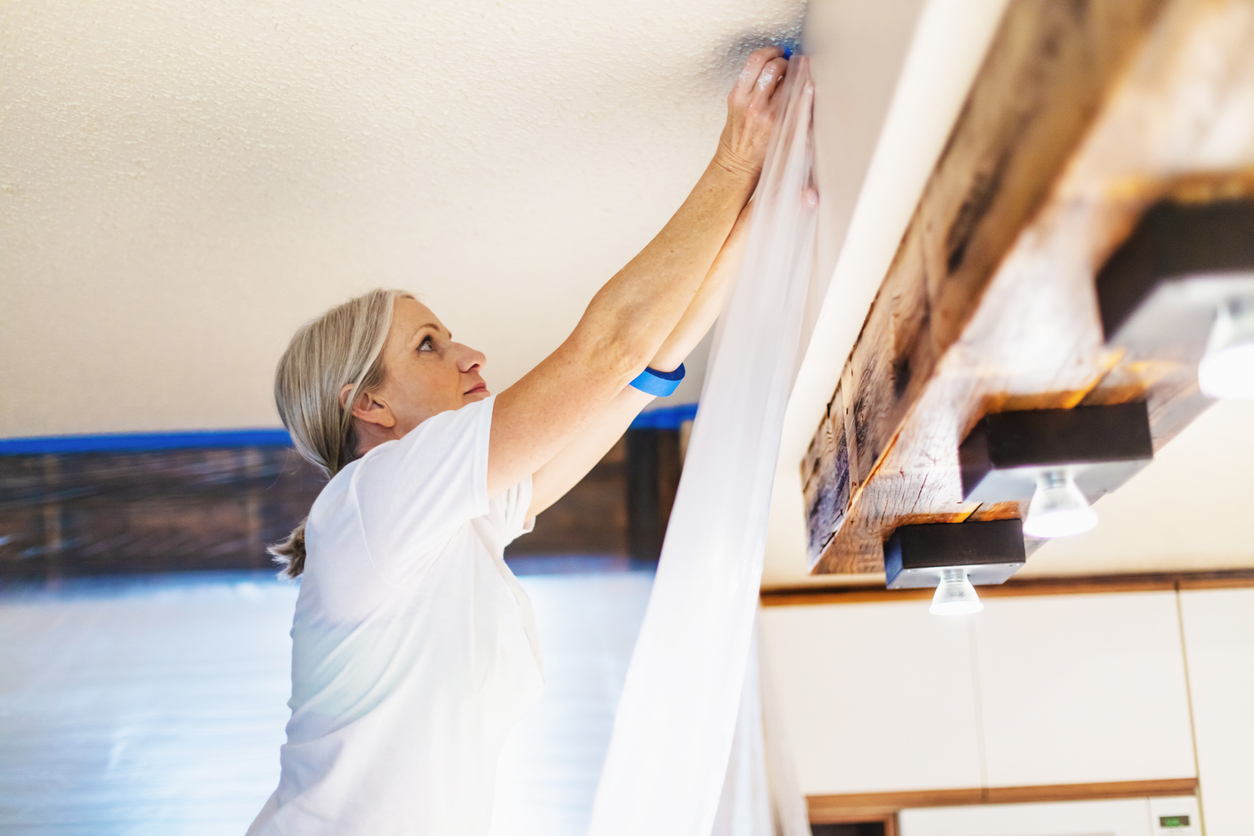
1083	115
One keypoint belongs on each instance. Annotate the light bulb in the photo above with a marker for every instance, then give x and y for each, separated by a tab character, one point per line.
1227	368
1058	507
955	595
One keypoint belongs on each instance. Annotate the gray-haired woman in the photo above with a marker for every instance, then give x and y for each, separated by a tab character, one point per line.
414	648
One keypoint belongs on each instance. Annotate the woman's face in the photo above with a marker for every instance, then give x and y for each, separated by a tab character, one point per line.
425	372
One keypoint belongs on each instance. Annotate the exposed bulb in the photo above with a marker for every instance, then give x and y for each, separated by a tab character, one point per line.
1227	368
955	595
1058	508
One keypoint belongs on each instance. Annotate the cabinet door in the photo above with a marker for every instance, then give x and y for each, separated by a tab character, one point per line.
1083	689
1219	641
1123	817
873	697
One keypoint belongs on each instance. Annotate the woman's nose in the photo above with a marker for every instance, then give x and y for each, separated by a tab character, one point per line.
469	360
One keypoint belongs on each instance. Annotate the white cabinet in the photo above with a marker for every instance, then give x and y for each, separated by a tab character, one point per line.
1083	689
873	697
1071	689
1123	817
1219	641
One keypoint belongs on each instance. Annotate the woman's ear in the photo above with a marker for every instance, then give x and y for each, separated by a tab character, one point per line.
368	407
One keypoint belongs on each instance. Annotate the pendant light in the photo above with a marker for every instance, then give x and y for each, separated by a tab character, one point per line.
1227	368
1059	508
955	595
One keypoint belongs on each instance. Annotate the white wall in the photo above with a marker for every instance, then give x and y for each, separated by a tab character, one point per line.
1035	690
1219	642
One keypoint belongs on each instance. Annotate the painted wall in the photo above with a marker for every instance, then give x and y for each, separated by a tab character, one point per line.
1035	690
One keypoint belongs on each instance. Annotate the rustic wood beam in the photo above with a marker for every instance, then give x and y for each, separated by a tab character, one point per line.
1083	115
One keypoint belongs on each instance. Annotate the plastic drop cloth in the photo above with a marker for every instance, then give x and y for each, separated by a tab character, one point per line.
761	796
668	756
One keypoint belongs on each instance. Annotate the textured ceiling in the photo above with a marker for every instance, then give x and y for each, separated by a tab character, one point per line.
182	184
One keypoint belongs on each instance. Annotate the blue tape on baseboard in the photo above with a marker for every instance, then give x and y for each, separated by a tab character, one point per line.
139	442
668	418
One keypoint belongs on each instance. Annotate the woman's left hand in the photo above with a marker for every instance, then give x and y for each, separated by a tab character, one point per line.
752	108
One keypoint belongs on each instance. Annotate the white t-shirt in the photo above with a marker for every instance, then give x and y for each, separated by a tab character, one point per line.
414	647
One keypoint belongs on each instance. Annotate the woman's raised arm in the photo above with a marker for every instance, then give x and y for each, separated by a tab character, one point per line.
628	320
592	442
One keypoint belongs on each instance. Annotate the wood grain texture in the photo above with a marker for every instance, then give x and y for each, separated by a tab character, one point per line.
867	806
1082	116
63	515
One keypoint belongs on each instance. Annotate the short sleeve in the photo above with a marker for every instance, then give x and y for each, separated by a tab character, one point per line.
415	493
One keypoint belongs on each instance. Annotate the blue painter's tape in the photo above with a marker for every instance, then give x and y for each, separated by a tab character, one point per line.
659	384
668	418
139	442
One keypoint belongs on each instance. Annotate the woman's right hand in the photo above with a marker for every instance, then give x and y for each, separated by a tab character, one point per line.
752	108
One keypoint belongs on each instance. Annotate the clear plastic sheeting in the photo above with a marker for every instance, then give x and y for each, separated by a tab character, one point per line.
668	758
155	705
760	795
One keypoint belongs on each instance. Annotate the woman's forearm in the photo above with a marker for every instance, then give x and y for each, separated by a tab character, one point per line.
633	314
708	301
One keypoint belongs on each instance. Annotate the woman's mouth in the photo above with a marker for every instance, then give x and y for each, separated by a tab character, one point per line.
478	387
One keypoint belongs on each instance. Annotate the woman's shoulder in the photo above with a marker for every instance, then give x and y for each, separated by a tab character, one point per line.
406	497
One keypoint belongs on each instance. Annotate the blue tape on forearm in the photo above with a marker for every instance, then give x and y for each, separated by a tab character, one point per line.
658	384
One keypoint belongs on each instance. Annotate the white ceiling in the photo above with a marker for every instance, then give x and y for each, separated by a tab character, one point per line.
182	184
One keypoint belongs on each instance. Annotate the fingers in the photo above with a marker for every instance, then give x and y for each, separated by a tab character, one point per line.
754	65
768	80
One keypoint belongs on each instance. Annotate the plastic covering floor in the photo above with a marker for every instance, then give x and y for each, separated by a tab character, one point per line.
156	705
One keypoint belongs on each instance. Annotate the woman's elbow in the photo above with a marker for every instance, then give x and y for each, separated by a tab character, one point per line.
611	354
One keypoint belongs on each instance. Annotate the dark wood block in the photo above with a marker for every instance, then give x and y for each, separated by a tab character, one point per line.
915	555
1165	283
1102	446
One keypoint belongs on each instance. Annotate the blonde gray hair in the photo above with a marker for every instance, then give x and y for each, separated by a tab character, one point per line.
342	347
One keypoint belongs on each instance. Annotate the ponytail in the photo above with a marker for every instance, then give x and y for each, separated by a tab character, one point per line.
290	553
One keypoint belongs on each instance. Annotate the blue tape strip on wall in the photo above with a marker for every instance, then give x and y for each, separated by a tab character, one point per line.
659	384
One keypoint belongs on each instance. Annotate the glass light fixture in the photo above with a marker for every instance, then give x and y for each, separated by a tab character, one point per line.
1059	508
1227	368
955	595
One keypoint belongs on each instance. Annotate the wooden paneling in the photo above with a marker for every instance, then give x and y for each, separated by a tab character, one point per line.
590	519
201	509
1083	115
170	510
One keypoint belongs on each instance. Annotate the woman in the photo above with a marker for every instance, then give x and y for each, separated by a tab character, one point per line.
414	648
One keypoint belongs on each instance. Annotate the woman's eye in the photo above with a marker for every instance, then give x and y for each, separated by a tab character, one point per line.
426	345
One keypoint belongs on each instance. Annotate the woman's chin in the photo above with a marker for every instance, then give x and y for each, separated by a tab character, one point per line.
476	396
